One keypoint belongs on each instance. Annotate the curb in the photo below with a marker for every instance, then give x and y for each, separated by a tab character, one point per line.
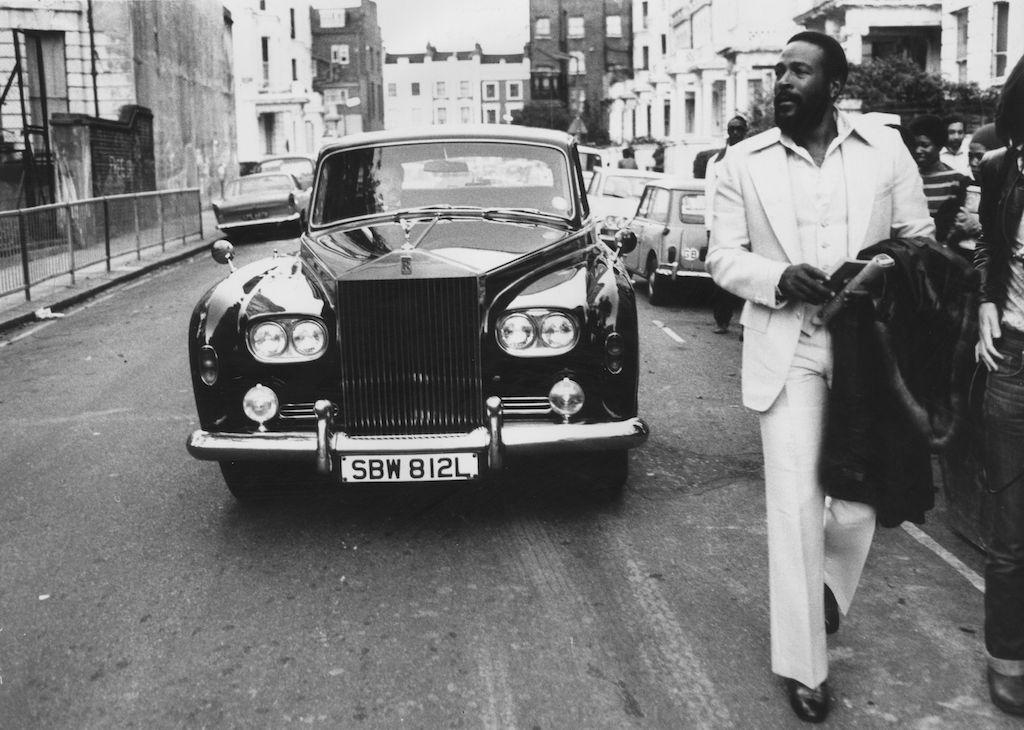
102	286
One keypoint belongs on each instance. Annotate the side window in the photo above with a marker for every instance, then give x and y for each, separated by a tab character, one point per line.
645	203
691	207
659	204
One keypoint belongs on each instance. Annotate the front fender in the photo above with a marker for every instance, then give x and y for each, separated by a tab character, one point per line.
269	287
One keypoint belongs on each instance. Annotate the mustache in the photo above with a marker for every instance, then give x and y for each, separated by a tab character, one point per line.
787	96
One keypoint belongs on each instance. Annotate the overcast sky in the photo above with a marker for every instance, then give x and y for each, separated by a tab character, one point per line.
499	26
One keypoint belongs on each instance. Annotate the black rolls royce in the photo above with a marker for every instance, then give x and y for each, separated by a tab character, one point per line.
450	312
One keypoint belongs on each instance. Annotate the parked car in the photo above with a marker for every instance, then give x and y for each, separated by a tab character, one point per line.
614	194
671	236
450	311
300	166
592	158
262	201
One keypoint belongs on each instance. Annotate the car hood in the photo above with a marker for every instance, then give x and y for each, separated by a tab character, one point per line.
446	247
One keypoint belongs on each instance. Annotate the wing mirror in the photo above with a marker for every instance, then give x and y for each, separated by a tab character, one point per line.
625	241
223	252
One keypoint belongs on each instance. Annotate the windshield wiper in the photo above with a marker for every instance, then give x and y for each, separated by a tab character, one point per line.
506	213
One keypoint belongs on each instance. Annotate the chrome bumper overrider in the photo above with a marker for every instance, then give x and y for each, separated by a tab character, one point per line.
496	440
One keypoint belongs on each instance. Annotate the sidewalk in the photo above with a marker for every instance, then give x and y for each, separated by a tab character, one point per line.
59	293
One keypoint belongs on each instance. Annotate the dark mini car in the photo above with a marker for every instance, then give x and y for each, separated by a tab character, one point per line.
263	201
450	312
670	231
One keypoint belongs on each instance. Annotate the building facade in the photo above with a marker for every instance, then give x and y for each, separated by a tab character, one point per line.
453	87
641	107
579	50
870	29
276	109
981	40
94	58
348	61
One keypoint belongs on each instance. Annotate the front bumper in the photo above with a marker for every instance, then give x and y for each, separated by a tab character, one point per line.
497	440
270	221
673	272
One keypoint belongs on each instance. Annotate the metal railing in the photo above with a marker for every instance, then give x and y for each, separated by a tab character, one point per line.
42	243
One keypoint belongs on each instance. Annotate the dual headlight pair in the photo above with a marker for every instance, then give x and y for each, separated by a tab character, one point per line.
537	333
284	340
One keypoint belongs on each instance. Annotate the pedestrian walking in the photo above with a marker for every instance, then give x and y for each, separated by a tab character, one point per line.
790	203
944	187
1000	259
723	303
954	152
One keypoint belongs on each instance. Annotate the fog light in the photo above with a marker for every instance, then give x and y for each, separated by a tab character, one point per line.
260	404
566	398
208	364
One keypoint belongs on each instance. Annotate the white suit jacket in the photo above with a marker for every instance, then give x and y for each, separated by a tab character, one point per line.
754	235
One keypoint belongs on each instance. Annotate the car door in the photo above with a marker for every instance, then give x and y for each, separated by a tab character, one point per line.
635	260
655	227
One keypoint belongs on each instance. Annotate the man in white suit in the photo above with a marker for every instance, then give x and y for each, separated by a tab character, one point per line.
790	204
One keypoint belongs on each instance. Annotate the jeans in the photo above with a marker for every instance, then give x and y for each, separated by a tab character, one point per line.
1004	463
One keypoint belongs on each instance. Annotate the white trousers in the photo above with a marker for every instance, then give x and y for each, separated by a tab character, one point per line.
811	541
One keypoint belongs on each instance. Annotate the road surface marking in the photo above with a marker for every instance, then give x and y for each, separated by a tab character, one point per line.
958	565
668	331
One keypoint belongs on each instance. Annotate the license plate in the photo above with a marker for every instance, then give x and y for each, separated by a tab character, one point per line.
410	468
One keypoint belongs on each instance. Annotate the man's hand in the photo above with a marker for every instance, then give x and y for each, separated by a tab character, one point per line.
805	283
988	330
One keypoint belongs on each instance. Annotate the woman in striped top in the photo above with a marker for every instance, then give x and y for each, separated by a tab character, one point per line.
944	187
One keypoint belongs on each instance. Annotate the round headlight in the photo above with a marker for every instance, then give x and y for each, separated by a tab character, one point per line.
260	404
566	398
268	339
558	331
309	338
516	332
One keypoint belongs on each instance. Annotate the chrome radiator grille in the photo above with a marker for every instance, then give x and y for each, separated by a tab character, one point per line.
410	356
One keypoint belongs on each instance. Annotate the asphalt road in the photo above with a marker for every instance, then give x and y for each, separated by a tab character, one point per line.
135	593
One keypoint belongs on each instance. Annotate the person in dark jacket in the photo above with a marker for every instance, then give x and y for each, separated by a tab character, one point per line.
1000	260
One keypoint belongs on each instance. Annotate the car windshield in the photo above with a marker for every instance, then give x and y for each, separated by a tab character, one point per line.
297	166
621	186
476	174
251	185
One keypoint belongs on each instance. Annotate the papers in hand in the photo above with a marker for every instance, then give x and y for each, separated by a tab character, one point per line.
848	276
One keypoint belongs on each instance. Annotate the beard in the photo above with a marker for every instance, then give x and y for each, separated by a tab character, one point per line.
806	114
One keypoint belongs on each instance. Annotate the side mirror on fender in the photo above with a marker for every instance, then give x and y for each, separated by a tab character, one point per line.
223	252
625	241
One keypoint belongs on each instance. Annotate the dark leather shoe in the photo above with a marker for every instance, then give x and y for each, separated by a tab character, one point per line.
831	612
810	705
1007	692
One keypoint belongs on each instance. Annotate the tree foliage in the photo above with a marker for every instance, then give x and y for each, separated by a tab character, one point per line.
545	114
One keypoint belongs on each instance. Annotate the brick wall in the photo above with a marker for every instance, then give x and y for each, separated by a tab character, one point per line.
106	157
